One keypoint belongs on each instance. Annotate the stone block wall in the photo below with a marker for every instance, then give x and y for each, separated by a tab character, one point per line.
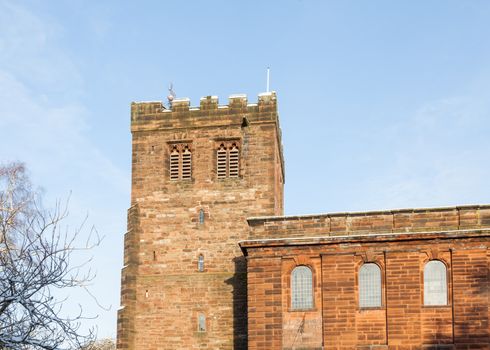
173	222
403	322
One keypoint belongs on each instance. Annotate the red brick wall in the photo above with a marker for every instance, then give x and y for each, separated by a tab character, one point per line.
403	322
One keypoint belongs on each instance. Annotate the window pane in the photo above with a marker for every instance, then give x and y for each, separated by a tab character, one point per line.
200	263
201	323
435	284
370	285
301	288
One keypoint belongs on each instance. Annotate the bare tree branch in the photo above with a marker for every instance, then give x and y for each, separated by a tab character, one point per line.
35	261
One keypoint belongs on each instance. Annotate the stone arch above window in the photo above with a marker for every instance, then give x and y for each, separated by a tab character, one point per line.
435	283
370	285
301	288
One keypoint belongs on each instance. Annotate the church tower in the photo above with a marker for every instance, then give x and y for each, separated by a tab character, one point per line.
198	173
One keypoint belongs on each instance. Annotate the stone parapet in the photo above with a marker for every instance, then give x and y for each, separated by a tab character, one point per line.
372	222
154	115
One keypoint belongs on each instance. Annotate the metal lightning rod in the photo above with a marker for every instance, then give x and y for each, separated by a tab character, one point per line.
268	78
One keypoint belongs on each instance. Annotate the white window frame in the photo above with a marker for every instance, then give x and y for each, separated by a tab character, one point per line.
435	283
370	286
302	293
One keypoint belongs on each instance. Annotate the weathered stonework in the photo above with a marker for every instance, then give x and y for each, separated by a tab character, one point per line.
163	293
241	300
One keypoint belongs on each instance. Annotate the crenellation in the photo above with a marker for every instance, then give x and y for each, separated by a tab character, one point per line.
238	103
209	103
154	115
147	107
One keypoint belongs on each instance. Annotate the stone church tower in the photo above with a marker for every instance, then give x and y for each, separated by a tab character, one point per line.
197	175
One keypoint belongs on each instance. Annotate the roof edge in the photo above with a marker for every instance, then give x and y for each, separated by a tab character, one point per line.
367	213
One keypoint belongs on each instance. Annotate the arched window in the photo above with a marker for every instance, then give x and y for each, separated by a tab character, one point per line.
369	285
228	160
301	288
200	263
180	162
233	166
186	163
201	323
174	163
222	159
201	216
435	283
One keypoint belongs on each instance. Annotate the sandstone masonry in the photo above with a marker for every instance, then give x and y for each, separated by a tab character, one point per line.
212	263
335	247
167	302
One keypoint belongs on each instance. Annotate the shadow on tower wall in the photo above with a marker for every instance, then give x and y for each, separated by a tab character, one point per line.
239	284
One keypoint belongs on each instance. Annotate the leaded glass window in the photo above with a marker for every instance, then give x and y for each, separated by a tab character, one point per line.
301	288
435	283
369	285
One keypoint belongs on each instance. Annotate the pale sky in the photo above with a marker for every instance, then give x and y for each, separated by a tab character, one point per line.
383	104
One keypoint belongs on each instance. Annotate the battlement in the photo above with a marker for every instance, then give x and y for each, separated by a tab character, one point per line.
150	115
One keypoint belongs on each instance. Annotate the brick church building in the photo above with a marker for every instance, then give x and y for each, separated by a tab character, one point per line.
210	262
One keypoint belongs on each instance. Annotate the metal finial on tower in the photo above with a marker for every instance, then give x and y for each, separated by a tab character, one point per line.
268	78
171	94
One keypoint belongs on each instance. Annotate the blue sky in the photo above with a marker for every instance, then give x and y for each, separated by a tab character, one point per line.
383	104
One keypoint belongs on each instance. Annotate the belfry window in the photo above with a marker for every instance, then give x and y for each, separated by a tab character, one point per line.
186	163
174	163
435	283
222	160
233	161
301	288
369	285
180	162
228	160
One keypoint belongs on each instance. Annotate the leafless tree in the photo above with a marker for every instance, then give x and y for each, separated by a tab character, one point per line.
36	262
102	344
